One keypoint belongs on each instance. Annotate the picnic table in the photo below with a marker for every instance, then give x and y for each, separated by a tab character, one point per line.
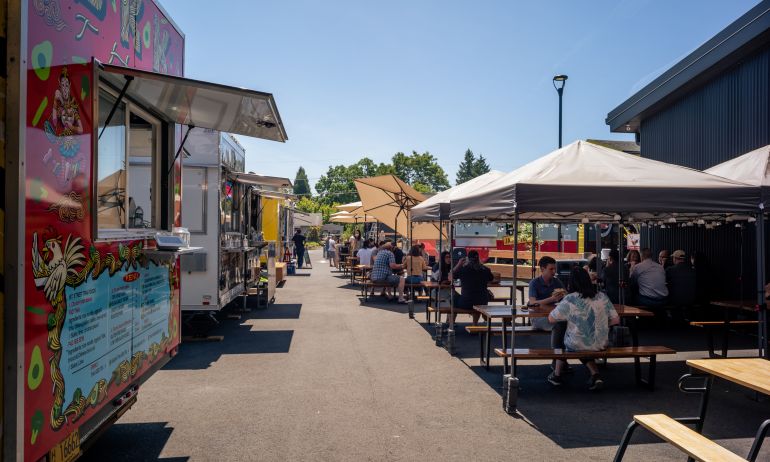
505	314
752	373
727	307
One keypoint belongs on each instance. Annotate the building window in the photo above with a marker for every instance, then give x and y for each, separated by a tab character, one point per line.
194	192
128	155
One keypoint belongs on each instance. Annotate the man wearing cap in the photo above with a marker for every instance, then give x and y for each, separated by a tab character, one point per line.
681	281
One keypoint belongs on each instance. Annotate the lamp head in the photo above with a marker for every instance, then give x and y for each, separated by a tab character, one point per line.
559	81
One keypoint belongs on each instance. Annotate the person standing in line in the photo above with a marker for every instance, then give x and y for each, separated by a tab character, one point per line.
299	247
354	242
331	251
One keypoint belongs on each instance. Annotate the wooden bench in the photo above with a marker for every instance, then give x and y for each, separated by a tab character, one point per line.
695	445
429	310
369	284
710	326
498	331
649	352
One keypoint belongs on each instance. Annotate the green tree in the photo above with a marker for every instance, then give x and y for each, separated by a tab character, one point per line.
467	169
480	167
338	186
422	169
313	205
301	183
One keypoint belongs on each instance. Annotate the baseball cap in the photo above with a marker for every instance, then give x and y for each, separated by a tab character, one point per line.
678	254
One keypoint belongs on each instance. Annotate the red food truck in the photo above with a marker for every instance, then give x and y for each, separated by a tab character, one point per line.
94	96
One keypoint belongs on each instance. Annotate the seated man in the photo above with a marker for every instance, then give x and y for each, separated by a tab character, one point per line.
681	281
650	278
589	315
382	270
474	278
541	291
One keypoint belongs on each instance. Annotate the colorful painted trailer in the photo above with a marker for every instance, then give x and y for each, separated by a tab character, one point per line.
95	117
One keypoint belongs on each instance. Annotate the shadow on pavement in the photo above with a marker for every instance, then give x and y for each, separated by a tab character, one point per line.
574	417
132	442
238	339
276	311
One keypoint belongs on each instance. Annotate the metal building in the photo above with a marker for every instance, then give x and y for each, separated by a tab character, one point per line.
710	107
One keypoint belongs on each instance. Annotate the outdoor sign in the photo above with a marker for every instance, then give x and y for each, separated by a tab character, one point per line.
98	314
632	241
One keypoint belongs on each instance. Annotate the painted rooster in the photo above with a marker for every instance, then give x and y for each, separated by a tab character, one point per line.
56	265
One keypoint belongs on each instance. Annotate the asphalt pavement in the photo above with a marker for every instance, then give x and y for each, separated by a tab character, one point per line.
321	376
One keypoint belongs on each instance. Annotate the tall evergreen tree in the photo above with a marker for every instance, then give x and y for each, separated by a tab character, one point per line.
301	183
467	169
480	167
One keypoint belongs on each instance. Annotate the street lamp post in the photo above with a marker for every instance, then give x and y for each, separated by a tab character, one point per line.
558	83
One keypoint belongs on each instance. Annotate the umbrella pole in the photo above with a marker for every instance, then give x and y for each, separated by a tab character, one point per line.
761	302
510	382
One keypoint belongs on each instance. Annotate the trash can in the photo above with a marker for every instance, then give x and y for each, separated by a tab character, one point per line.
291	268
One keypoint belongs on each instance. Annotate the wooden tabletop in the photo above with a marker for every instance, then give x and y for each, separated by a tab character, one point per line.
435	285
752	373
736	304
504	311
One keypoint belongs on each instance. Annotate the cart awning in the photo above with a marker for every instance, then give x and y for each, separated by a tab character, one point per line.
201	104
262	180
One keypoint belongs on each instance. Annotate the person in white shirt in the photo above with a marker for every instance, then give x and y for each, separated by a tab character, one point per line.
331	250
365	254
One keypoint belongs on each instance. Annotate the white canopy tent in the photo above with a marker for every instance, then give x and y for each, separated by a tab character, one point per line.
751	168
586	181
430	209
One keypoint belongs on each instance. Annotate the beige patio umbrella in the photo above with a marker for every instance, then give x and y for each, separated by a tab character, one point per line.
389	200
350	207
347	217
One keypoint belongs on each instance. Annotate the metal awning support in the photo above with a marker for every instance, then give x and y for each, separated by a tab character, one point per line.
122	94
181	146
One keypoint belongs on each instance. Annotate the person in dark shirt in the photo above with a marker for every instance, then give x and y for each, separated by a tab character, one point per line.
299	247
474	278
663	259
611	276
682	281
399	254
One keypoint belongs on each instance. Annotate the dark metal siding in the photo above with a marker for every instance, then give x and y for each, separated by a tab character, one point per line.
723	119
727	117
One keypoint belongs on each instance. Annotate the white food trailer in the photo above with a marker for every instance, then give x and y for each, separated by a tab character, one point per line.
218	203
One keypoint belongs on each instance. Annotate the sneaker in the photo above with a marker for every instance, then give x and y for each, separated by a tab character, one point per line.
568	369
554	379
596	382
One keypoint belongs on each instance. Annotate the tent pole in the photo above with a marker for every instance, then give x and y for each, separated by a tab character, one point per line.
621	264
761	303
598	231
510	382
450	336
534	256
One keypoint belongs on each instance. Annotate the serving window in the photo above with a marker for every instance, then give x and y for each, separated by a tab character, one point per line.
127	162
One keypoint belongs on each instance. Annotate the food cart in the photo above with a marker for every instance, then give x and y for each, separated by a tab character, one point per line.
221	207
269	223
95	118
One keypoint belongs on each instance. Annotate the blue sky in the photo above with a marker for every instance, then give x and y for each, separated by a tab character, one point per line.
356	78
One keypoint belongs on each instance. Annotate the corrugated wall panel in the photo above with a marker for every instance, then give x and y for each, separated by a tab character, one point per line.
721	120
